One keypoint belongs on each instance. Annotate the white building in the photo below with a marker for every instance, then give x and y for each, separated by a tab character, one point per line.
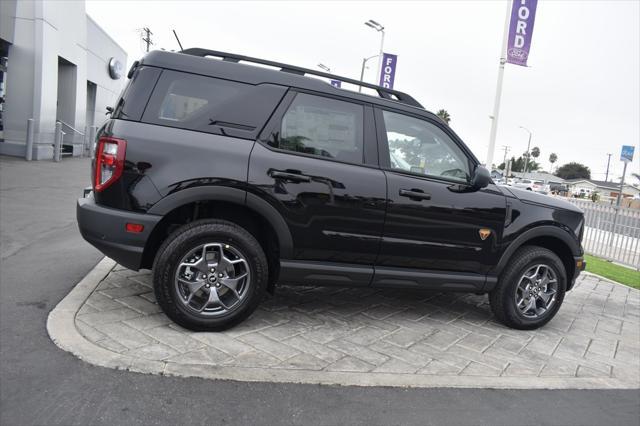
545	177
606	190
55	67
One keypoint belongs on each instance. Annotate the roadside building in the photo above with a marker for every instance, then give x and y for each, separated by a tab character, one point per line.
606	190
57	65
546	178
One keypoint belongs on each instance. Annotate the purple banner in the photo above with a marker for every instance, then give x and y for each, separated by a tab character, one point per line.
388	74
523	16
336	83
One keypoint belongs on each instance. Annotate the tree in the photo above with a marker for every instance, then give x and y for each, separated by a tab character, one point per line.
573	170
552	159
535	152
444	116
517	165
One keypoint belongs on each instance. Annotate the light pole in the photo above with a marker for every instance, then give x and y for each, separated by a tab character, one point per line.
379	28
364	64
526	159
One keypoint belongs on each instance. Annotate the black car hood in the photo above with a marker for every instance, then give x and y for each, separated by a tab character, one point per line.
540	199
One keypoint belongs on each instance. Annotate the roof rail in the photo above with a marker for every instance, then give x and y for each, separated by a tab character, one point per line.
383	92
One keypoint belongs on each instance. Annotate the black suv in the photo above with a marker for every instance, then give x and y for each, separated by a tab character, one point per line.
228	178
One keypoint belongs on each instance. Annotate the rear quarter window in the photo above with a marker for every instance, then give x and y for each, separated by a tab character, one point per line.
211	105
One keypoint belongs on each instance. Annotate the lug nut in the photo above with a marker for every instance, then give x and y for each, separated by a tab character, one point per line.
218	285
204	276
213	269
207	286
221	275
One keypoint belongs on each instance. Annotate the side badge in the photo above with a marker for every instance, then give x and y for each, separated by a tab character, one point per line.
484	233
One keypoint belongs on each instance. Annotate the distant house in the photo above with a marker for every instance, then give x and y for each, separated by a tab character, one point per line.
547	178
605	189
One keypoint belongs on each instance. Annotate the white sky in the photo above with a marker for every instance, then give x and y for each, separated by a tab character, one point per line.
580	94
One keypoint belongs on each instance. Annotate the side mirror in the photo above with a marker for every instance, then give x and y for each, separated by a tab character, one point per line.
481	178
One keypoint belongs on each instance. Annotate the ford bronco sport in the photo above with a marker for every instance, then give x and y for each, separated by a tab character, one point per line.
227	175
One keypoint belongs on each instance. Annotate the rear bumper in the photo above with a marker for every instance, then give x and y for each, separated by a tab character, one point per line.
104	228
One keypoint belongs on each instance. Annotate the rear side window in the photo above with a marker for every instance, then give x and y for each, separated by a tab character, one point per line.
324	127
130	105
211	105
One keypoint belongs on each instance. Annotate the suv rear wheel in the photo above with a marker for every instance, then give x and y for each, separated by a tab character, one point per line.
530	290
210	275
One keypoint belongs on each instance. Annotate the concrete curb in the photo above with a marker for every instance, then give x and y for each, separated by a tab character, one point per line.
62	330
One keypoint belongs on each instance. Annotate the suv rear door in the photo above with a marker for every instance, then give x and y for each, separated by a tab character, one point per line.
316	163
433	221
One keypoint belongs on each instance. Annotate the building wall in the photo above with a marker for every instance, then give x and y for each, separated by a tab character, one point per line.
44	32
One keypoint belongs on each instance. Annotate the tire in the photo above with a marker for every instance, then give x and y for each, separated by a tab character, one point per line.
227	247
504	297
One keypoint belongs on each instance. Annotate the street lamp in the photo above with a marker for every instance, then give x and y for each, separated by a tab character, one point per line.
379	28
526	160
324	67
364	64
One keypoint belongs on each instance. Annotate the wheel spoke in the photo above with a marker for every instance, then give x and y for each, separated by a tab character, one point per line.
213	298
546	297
531	305
232	283
193	287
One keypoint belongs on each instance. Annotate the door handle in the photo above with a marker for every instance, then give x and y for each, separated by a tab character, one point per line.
415	194
293	177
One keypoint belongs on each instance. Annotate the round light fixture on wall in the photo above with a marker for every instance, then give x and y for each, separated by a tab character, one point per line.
115	68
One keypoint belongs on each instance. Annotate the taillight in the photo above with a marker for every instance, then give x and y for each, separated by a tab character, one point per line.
109	162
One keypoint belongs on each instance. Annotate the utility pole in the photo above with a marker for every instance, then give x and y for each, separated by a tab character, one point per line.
147	37
606	178
504	160
527	155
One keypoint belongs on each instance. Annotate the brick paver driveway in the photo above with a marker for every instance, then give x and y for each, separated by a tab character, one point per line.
309	333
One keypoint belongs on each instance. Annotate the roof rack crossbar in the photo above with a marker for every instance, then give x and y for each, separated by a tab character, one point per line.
383	92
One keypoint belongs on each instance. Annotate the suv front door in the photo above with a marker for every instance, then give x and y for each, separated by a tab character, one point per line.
317	164
434	223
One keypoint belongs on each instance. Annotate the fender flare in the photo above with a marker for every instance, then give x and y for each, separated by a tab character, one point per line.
235	196
538	231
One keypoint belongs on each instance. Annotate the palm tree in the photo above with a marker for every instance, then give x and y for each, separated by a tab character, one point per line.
552	159
535	152
444	116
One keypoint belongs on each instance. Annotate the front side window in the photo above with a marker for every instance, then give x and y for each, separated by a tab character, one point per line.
418	146
324	127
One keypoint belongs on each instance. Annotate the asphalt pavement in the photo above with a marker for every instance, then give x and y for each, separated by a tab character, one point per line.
43	256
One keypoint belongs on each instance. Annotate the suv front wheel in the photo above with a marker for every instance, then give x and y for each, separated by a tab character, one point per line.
210	275
530	290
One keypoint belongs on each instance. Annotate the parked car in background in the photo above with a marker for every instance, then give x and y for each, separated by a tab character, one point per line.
530	185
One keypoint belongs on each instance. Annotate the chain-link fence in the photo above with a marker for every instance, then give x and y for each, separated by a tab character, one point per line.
611	232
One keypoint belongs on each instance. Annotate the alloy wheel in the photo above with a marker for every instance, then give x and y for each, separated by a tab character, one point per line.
536	291
212	279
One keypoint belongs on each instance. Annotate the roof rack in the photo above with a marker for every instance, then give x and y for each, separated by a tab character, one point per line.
383	92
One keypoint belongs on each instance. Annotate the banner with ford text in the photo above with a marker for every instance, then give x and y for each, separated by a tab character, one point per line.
523	16
388	73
